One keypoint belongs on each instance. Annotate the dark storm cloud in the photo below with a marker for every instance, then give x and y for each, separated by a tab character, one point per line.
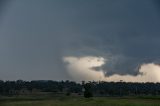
3	7
36	35
124	32
157	3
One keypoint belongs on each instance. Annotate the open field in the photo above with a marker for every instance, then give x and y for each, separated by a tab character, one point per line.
77	101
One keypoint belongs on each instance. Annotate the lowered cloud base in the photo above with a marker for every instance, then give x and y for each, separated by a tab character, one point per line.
82	68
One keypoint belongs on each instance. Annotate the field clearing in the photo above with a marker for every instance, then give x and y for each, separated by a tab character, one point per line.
77	101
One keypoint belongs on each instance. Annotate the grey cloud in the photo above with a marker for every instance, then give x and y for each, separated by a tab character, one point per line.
128	31
36	35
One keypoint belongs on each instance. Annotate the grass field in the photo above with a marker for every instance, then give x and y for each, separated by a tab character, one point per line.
77	101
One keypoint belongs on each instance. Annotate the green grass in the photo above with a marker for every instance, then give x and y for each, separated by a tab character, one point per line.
77	101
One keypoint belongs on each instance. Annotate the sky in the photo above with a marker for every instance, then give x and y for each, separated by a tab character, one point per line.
78	40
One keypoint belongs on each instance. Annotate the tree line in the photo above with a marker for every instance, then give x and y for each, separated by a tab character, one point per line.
89	89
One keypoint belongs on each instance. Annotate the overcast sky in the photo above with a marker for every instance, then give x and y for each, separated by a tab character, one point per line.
40	39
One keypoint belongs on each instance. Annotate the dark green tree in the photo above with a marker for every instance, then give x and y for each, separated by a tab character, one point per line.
88	90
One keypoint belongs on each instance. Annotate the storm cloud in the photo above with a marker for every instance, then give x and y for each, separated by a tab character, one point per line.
83	68
35	36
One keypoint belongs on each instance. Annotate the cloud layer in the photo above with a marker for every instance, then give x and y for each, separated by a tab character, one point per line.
82	68
36	35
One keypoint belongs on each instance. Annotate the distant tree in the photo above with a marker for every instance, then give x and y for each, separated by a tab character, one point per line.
68	93
88	90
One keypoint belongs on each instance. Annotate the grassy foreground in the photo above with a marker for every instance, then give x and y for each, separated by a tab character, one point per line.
77	101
